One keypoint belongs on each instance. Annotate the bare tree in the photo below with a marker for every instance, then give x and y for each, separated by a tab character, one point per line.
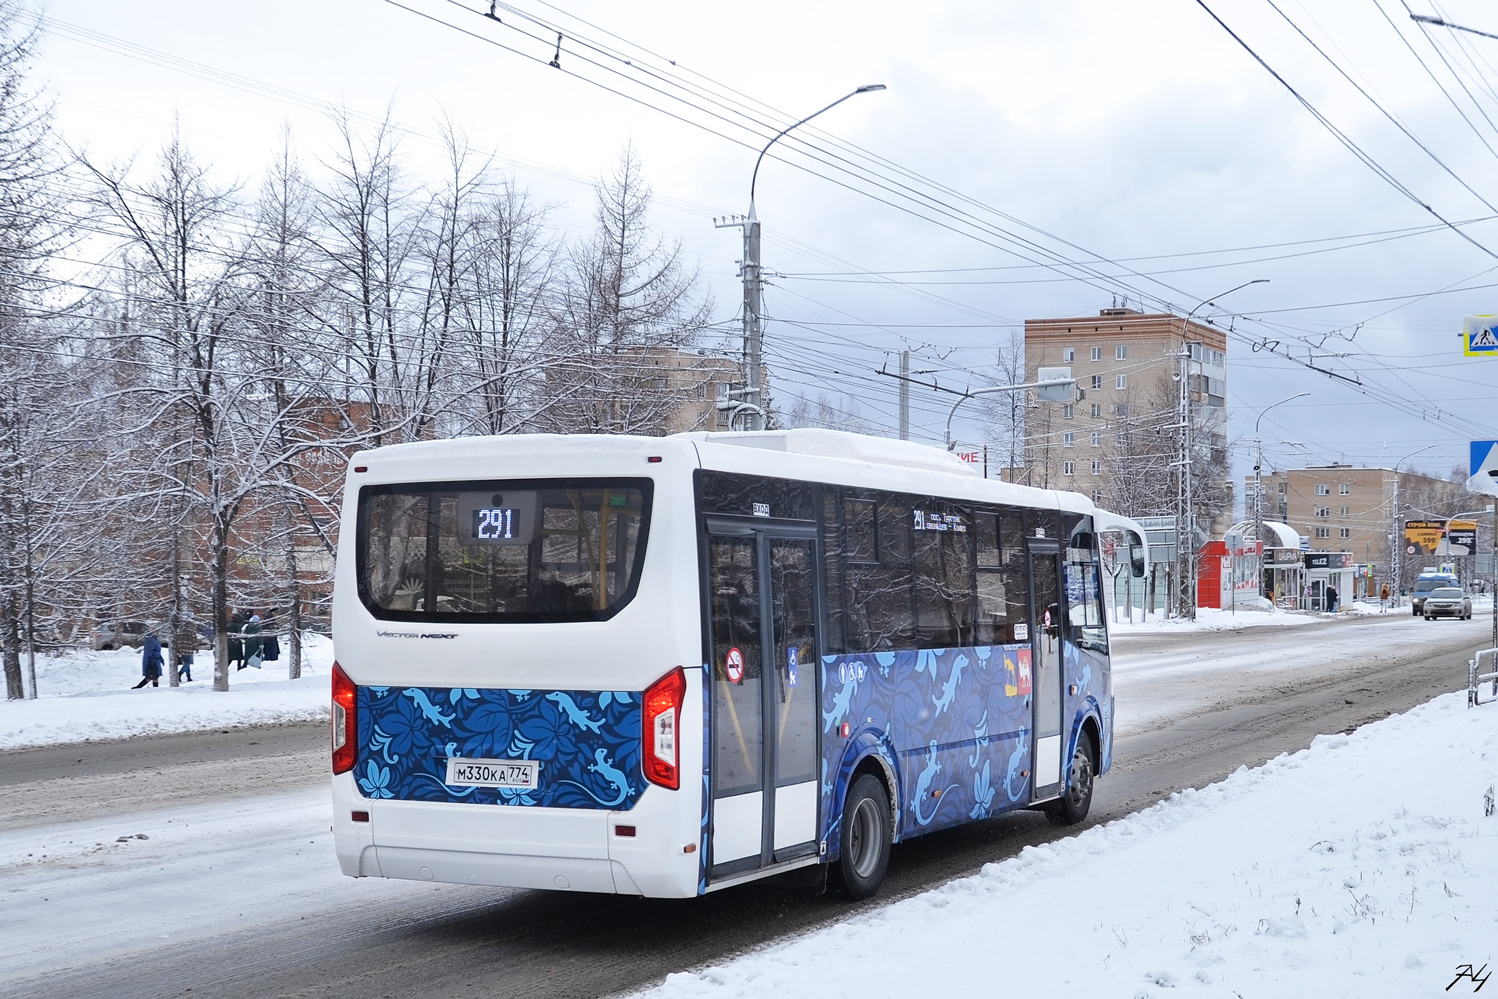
304	401
187	258
365	233
506	316
824	413
1004	413
1138	479
626	298
27	369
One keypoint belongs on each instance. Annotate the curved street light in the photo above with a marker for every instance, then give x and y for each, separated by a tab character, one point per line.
751	404
1259	492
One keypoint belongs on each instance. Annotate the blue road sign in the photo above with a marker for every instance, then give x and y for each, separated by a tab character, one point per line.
1484	468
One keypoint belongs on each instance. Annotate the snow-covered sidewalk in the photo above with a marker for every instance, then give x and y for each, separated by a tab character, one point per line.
1363	866
1212	619
87	695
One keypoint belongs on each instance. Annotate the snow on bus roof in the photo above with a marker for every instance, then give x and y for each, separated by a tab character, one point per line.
821	454
829	448
843	444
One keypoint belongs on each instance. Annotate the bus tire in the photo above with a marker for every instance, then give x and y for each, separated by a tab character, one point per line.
1077	798
866	838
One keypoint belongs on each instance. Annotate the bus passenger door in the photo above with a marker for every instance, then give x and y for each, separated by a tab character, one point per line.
1045	638
763	771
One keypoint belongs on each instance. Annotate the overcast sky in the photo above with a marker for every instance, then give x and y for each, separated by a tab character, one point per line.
1140	134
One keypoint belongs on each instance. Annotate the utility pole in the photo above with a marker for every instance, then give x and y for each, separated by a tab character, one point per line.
1186	515
905	395
1396	539
750	403
753	328
1186	532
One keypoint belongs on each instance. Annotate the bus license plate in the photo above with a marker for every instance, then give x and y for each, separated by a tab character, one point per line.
492	773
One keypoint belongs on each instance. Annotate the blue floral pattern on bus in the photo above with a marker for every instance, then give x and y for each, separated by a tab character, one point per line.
954	725
588	744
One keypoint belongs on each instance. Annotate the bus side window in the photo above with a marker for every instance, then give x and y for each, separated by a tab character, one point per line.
994	626
879	609
1085	624
943	574
880	601
894	530
858	529
834	634
1016	569
986	540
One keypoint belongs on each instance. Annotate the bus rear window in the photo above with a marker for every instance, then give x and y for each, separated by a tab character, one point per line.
503	551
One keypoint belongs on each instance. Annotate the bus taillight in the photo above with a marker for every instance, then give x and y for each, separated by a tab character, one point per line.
344	721
660	722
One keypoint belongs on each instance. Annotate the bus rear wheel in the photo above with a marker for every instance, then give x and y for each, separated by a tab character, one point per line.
865	838
1074	803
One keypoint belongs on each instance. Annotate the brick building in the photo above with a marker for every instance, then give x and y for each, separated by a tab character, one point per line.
1345	509
1118	443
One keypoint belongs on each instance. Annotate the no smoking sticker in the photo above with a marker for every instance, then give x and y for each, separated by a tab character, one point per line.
734	666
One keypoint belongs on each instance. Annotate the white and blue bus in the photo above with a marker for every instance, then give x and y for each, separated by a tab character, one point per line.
664	666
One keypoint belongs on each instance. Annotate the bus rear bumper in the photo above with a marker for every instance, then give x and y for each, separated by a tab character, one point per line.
512	846
504	870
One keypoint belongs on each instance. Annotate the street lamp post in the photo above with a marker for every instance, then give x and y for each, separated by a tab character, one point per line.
1186	522
1259	485
1043	384
753	286
1396	543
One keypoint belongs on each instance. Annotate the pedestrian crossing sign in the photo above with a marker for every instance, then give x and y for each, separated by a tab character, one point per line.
1480	336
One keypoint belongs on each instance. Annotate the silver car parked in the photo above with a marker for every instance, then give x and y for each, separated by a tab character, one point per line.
118	635
1448	601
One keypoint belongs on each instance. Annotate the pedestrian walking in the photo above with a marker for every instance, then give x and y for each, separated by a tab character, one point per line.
150	661
1331	598
1383	599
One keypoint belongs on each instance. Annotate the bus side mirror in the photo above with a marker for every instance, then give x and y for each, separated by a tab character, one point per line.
1136	555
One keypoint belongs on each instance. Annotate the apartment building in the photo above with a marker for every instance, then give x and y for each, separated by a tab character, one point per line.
1120	442
1345	509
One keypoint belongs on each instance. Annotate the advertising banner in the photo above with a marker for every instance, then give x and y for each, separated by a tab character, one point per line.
1423	537
1462	538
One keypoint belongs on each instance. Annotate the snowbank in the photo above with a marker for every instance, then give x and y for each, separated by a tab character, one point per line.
1362	866
1212	619
87	696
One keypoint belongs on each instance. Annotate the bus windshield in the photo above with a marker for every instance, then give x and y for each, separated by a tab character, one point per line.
501	551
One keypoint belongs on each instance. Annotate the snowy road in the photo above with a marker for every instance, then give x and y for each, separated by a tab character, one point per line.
203	862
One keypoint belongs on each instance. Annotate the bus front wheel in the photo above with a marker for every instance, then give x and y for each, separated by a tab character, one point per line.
1074	803
865	838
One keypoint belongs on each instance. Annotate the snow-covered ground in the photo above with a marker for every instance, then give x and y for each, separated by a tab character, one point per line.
1363	866
1212	619
85	695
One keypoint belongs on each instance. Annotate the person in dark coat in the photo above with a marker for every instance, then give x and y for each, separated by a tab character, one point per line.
237	621
150	662
1331	598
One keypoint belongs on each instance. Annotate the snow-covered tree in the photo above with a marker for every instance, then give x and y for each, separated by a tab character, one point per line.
626	296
